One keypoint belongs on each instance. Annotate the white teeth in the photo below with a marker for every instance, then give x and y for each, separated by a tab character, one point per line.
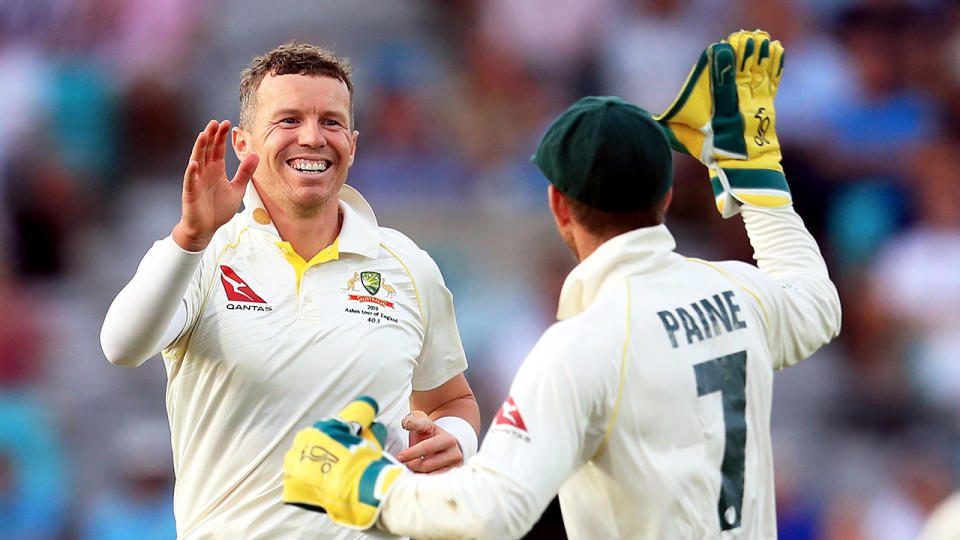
309	166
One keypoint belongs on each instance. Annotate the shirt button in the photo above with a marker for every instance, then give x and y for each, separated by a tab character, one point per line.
307	299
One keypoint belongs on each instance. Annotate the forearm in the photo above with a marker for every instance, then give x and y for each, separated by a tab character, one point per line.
782	246
139	320
452	407
461	418
463	407
467	502
806	297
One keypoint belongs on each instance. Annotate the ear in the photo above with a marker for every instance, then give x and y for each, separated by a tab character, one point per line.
558	206
353	145
241	147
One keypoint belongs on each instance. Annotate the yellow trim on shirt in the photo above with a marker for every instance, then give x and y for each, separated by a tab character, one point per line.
766	317
623	376
412	280
329	253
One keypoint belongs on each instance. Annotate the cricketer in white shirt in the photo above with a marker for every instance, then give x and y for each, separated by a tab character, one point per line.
648	405
253	360
274	316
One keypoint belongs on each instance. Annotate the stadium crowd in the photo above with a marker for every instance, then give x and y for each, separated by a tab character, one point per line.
98	97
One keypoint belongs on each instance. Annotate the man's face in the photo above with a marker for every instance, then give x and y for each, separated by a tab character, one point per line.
302	134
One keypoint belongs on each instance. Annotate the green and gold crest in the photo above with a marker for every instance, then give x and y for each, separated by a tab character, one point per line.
370	281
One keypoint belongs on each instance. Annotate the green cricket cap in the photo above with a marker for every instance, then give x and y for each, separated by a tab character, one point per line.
607	153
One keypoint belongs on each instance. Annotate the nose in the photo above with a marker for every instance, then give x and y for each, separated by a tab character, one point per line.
311	135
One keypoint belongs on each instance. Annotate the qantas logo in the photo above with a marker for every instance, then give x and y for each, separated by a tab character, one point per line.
236	288
509	415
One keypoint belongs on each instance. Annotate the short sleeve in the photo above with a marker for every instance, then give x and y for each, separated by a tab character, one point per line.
442	356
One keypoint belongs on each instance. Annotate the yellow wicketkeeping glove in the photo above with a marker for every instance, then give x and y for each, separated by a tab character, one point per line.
724	117
338	466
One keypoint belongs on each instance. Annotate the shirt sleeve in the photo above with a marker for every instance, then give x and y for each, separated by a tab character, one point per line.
550	426
442	356
792	290
149	312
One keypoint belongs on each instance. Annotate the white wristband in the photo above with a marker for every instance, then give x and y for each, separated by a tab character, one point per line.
462	431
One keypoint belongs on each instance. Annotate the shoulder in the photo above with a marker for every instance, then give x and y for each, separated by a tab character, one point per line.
417	261
590	341
731	269
230	234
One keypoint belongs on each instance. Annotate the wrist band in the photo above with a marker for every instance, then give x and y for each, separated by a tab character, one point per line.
462	431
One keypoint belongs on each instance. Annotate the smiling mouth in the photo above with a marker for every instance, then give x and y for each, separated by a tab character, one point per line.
309	166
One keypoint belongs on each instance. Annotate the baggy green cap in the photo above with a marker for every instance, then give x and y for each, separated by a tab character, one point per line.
607	153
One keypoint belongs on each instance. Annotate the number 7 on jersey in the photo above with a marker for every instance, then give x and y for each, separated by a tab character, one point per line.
728	375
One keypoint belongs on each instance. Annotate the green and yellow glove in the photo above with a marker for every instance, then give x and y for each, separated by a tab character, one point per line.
724	116
338	466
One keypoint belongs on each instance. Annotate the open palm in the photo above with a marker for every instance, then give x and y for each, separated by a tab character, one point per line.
209	198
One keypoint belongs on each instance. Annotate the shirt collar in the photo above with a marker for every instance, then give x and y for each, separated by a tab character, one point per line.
637	251
359	232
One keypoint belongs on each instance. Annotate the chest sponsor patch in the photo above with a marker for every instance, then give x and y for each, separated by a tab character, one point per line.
239	291
378	292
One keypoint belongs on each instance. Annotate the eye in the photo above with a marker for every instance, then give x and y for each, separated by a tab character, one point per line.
331	123
290	120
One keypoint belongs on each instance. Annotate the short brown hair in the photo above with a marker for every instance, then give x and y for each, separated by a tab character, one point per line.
609	224
290	59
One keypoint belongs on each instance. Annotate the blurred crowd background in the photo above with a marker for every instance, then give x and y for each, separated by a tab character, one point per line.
100	102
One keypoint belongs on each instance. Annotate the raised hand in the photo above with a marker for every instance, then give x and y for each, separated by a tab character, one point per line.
209	198
724	116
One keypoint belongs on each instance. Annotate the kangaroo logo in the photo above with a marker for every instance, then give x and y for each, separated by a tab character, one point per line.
352	282
762	126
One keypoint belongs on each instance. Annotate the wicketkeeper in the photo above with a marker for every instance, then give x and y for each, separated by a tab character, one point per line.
647	406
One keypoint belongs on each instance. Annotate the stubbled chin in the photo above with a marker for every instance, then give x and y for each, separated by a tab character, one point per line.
314	194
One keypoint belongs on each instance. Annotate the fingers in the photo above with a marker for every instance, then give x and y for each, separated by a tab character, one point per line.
359	413
416	421
724	84
776	64
245	171
434	445
220	141
211	143
190	176
760	60
436	462
209	135
432	455
199	148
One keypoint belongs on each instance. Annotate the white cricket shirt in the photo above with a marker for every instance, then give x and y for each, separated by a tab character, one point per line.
647	407
268	350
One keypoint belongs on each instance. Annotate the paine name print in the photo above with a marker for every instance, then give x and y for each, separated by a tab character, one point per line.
703	319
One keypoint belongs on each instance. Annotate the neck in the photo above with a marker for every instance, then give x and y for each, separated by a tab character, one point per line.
308	235
586	242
